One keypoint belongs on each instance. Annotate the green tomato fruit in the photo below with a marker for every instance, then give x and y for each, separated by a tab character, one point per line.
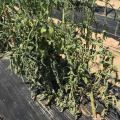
43	30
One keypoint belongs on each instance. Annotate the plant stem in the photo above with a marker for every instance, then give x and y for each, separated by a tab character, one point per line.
92	105
63	16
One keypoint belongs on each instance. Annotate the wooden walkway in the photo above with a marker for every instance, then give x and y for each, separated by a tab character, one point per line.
15	100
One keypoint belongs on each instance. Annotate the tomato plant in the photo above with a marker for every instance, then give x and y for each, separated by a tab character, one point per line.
59	60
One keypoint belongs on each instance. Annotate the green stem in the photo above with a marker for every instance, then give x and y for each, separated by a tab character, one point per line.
117	27
63	16
92	104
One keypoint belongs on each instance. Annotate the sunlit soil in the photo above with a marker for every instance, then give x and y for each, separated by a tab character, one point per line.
114	3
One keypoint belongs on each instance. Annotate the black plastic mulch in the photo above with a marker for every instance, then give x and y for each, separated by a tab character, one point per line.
108	23
15	99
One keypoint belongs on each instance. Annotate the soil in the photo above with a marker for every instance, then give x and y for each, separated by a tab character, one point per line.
114	3
114	46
